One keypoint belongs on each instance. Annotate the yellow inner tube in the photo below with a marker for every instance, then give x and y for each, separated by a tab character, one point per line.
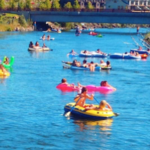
6	73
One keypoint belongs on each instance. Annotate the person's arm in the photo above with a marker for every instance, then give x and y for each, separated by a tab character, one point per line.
109	106
111	86
90	97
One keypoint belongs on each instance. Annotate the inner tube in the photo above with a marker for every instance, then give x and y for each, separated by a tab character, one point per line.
4	74
39	49
8	66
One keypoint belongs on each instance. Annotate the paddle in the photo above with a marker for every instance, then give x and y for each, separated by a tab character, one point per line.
69	112
116	114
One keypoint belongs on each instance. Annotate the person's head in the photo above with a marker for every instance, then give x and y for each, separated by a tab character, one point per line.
108	63
101	61
98	50
92	62
84	90
74	61
63	80
103	83
84	51
84	61
103	103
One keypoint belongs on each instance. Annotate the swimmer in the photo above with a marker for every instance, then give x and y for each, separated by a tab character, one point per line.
105	83
85	64
48	37
37	45
31	45
43	37
72	52
92	66
6	61
44	46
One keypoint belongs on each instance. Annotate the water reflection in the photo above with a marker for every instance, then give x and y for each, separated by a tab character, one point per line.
104	125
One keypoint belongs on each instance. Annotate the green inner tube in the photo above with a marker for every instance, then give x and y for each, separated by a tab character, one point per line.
99	35
8	66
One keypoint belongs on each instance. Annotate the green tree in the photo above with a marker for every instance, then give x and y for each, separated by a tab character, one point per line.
48	3
42	6
56	4
90	6
21	5
28	4
68	5
11	4
2	4
76	5
22	20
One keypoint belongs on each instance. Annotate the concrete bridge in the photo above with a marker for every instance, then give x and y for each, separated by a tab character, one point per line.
87	17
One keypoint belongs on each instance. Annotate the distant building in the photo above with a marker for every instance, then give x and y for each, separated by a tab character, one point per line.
139	4
116	4
83	3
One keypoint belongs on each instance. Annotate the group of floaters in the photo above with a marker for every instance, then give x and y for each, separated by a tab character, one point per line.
90	111
37	47
5	66
88	66
86	53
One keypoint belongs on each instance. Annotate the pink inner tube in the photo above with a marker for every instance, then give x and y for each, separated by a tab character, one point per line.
99	88
65	87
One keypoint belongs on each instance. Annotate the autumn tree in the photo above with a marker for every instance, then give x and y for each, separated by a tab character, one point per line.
89	5
76	5
68	5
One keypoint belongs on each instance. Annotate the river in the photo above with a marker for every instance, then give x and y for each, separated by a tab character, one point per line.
31	108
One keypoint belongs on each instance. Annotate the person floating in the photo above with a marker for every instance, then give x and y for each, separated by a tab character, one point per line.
72	52
31	45
106	84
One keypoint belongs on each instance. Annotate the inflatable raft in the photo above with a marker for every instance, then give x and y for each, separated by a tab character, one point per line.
93	33
89	114
91	88
140	51
67	66
124	56
8	66
92	54
39	49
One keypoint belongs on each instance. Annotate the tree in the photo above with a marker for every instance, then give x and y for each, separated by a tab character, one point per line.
68	5
42	6
48	4
2	4
76	5
56	4
21	5
28	4
90	6
12	4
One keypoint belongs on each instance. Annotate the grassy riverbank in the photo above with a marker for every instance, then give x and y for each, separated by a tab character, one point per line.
12	22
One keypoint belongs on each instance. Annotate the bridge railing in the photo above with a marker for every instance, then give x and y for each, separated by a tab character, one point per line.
80	10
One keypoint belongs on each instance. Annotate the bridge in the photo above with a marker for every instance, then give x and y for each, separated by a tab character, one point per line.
87	17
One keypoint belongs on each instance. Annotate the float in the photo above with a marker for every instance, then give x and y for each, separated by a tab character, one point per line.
39	49
8	66
93	33
124	56
46	39
140	51
88	114
144	56
4	73
102	89
67	66
99	35
66	87
92	54
91	88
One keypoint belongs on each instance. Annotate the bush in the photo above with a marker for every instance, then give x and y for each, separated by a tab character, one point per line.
22	20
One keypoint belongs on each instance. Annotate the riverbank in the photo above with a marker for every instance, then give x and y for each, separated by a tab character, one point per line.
13	22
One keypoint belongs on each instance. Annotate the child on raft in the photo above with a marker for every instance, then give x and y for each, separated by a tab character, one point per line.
81	98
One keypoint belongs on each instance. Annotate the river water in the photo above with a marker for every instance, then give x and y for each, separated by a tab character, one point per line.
31	108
